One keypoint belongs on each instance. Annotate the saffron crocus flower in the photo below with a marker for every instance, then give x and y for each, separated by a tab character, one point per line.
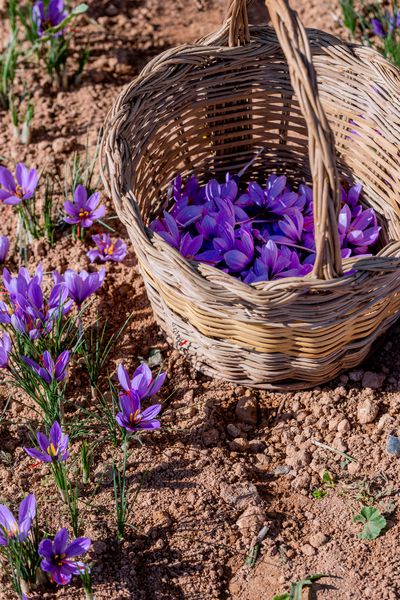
132	417
142	383
82	285
358	233
106	249
10	528
49	370
13	191
52	448
4	248
84	211
50	16
378	28
59	556
5	347
242	253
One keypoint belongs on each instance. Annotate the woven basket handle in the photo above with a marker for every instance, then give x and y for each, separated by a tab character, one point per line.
295	45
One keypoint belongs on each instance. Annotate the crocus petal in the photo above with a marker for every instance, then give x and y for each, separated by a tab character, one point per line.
123	377
78	547
37	455
152	411
60	541
7	180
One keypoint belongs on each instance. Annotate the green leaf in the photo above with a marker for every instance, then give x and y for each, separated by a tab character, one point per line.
296	588
319	493
327	478
373	522
78	10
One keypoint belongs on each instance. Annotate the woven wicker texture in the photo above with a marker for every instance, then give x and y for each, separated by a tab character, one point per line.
303	104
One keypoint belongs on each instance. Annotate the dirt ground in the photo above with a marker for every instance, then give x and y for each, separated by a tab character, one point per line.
227	460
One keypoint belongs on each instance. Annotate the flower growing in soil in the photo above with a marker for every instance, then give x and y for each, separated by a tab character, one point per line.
45	17
5	347
30	312
13	191
142	384
53	448
132	418
82	285
10	528
4	248
84	210
59	557
106	249
50	370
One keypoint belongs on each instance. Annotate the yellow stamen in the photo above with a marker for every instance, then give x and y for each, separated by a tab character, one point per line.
135	417
83	214
110	249
51	450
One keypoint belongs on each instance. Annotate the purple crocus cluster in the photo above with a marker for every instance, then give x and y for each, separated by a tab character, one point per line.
384	27
10	528
28	310
14	190
264	233
136	389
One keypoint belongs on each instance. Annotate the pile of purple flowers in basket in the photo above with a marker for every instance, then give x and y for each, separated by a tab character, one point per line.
264	233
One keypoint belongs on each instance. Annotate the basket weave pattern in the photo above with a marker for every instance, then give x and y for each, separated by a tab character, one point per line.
305	105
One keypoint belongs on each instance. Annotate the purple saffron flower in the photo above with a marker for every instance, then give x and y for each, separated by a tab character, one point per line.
275	263
82	285
276	198
49	370
378	28
5	347
132	417
360	232
10	529
45	18
14	191
240	257
83	211
106	249
19	285
142	383
4	248
58	557
52	448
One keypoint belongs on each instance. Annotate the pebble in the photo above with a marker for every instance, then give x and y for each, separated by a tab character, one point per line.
353	468
210	437
373	380
232	430
367	412
239	495
239	445
251	521
256	446
356	375
343	426
318	539
308	550
281	470
246	410
393	445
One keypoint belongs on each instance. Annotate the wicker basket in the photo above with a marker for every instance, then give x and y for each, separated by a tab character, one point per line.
247	93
